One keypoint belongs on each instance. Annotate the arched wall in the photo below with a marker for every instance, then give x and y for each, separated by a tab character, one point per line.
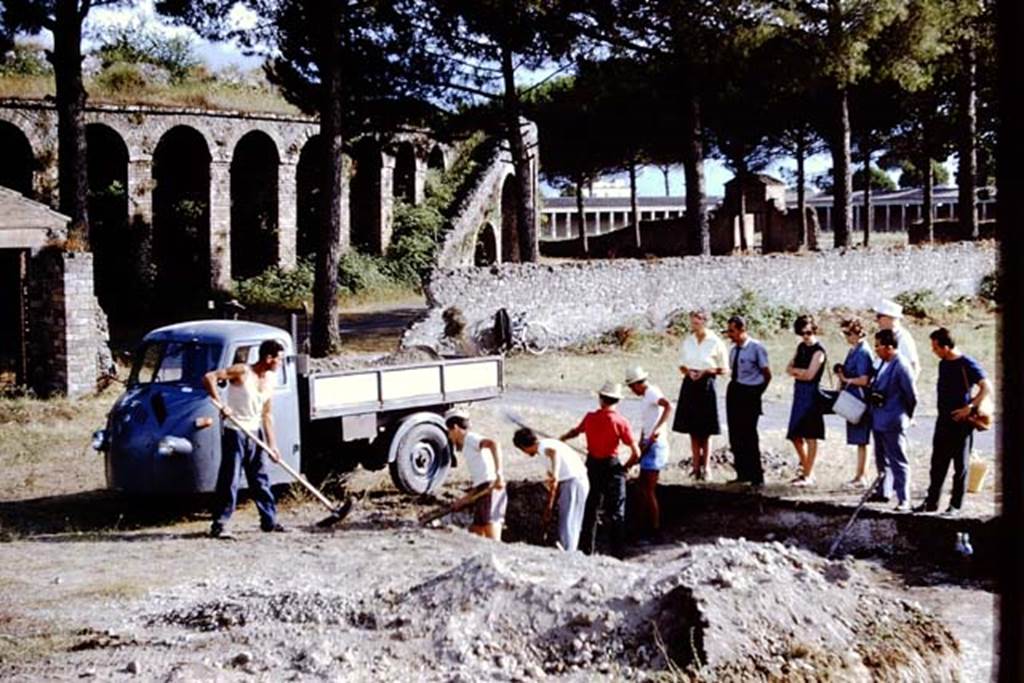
509	223
254	205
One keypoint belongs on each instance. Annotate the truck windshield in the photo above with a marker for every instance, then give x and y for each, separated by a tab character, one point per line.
166	362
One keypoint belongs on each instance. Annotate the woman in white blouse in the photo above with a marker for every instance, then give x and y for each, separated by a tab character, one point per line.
702	357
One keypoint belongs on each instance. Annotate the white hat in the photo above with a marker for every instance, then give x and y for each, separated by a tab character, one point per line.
889	308
635	374
457	412
611	390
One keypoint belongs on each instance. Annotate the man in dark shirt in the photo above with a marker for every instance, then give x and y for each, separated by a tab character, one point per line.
958	375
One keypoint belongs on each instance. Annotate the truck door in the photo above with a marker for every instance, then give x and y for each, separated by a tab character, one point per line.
284	404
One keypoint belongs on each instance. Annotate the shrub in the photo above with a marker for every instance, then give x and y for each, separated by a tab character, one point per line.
918	303
360	272
988	288
277	287
762	316
122	79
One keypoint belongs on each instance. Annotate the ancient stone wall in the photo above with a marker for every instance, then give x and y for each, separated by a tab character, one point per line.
579	301
65	340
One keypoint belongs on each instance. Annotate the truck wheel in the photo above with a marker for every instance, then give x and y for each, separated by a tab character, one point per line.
422	459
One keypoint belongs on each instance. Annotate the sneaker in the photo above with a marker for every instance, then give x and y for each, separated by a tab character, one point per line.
902	506
806	481
925	507
220	531
798	478
951	512
274	528
878	498
858	483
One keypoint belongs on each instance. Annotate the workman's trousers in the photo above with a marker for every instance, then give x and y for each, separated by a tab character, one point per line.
572	506
891	458
742	411
238	452
608	492
951	442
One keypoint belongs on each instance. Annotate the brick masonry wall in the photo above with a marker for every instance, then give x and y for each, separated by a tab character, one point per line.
579	301
67	345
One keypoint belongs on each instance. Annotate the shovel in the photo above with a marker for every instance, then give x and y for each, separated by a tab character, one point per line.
338	512
429	517
846	529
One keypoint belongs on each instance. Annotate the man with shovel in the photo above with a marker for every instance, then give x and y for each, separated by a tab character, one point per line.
488	495
247	400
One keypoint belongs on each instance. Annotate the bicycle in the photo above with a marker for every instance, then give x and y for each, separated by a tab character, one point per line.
505	334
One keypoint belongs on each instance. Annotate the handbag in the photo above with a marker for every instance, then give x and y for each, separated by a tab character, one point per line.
825	400
849	407
982	415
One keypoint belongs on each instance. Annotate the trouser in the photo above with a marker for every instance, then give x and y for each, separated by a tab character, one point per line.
238	452
742	411
951	442
572	505
607	479
891	459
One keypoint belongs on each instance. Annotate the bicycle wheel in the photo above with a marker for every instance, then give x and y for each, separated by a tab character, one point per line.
482	333
537	338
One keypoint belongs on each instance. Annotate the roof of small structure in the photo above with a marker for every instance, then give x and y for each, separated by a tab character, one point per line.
27	224
760	177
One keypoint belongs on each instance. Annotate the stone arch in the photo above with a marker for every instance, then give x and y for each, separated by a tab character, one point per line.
307	190
435	160
404	178
365	216
20	161
115	247
181	217
236	134
509	223
486	251
254	210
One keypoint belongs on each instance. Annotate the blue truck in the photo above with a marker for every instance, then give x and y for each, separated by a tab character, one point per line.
163	433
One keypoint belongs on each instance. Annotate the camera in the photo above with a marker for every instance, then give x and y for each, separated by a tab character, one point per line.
876	398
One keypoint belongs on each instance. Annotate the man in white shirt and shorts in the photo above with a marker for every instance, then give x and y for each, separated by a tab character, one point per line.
567	480
485	472
653	442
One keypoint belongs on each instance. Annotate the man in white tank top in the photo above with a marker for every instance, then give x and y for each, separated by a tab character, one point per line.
567	480
485	472
247	398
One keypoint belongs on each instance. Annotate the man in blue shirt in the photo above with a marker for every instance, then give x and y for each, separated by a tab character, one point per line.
750	375
958	375
894	399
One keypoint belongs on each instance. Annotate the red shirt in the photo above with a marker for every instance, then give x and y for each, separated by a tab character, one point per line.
604	430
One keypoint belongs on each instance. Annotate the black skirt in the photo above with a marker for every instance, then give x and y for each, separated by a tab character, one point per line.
697	408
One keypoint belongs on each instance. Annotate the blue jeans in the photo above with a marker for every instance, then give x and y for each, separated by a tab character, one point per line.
608	491
238	452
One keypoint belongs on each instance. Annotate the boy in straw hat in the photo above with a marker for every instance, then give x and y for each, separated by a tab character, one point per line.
653	441
605	429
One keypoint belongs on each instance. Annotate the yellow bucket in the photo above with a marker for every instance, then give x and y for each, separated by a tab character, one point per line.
976	471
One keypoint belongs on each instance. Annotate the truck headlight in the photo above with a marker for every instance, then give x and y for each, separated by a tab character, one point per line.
100	440
174	445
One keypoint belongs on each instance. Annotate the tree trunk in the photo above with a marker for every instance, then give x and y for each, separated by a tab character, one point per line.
526	226
741	177
634	210
72	169
842	218
801	193
698	235
325	333
869	218
664	172
967	170
582	217
926	203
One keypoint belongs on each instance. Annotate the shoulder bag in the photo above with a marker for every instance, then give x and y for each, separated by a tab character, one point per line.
981	416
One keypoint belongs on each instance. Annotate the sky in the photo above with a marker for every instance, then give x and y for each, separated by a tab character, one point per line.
650	181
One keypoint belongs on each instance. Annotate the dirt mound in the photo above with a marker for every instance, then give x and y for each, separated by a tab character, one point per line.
728	611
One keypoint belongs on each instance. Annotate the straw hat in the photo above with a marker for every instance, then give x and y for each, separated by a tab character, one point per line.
635	374
889	308
457	412
611	390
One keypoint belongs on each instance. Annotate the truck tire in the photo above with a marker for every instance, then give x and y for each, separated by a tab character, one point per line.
422	458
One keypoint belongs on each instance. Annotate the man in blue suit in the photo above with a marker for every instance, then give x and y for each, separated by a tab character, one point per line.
894	399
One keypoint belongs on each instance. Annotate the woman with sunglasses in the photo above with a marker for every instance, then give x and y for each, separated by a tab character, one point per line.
806	424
